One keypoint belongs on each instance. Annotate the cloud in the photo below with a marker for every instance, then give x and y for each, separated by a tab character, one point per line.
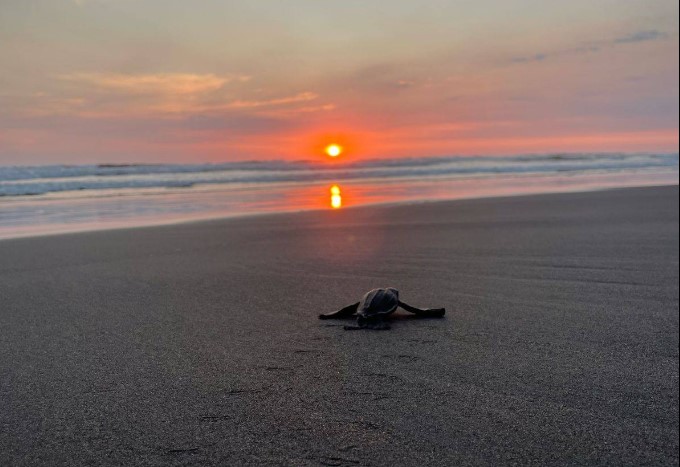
301	97
164	94
641	36
638	36
160	83
296	111
161	95
532	58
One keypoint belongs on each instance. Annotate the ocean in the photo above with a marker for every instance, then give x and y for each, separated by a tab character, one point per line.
37	200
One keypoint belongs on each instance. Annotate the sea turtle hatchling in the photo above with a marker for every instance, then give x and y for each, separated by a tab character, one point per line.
375	306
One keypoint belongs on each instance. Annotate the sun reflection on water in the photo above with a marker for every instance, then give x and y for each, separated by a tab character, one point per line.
336	197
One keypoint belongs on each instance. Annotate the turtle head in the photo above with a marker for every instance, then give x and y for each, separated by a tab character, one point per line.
371	322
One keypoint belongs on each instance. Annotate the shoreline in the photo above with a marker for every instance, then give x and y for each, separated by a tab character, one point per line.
225	217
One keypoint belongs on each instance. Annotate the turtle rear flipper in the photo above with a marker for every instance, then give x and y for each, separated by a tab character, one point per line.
424	312
346	312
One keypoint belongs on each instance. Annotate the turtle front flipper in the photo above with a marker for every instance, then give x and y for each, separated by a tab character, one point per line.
424	312
341	313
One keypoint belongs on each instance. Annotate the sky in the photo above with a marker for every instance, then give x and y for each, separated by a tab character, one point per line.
150	81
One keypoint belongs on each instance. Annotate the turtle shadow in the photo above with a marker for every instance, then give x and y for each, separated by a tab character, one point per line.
410	317
384	324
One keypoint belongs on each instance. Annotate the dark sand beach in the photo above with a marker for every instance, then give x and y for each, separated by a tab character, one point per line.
199	343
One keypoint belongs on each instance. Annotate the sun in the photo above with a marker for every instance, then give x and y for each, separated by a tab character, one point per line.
333	150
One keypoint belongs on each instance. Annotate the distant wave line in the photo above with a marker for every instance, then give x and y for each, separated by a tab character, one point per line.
8	173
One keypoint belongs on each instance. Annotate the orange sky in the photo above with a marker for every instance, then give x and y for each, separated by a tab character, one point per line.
93	81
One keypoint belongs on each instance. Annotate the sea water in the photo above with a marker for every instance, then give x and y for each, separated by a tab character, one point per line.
38	200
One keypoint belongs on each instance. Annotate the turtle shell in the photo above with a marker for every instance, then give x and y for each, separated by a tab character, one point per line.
378	302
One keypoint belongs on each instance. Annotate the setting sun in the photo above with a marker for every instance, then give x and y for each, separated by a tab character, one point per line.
333	150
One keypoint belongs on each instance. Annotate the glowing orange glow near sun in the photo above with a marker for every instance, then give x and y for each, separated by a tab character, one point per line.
333	150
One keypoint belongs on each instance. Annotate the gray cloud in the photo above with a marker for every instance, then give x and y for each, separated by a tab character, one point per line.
531	58
641	36
633	37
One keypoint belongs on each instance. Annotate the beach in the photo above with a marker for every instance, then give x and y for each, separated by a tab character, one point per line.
199	343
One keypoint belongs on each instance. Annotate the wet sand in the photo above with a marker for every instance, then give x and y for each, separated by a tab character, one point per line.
199	343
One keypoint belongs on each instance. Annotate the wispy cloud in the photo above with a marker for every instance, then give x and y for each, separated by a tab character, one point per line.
301	97
163	95
405	83
633	37
641	36
530	58
295	110
161	83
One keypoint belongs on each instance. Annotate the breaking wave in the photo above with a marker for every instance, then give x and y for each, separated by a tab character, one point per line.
41	180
